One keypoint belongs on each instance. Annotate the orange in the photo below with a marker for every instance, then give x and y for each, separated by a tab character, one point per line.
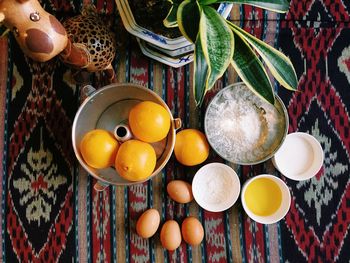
149	121
191	147
99	148
135	160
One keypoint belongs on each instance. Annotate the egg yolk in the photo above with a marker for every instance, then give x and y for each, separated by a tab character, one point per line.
263	197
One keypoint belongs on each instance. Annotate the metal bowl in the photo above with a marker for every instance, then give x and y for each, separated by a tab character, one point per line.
105	109
242	128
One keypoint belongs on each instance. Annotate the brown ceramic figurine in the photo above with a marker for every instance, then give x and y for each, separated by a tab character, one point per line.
40	35
88	44
88	33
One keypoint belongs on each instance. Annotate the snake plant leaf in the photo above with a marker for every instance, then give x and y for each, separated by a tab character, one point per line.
280	6
279	65
201	70
171	18
188	17
250	69
217	43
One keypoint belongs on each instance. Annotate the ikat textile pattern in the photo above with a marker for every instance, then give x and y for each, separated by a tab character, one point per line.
51	213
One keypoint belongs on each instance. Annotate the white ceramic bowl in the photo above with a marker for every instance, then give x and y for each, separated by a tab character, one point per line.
158	40
216	187
300	157
281	211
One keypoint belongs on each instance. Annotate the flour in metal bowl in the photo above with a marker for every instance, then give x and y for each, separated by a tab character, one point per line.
242	128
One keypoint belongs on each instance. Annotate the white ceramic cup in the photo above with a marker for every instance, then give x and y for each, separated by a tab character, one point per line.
280	212
300	157
216	187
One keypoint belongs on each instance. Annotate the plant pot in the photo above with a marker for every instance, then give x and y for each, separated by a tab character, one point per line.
170	47
157	54
105	109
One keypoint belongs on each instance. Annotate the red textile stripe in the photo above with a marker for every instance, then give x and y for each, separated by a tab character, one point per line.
253	232
253	17
175	101
106	6
180	208
181	106
138	194
170	89
138	68
254	240
139	247
215	241
248	237
101	225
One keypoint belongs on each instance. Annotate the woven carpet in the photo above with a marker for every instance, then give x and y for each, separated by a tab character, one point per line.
51	213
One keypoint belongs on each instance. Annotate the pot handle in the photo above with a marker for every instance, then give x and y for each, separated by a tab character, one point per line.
86	92
177	123
100	186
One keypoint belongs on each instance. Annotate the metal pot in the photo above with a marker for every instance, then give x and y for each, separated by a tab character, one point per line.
105	109
273	119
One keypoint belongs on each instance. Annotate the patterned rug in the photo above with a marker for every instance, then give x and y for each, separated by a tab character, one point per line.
51	213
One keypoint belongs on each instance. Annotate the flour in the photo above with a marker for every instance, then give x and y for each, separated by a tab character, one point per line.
241	126
213	185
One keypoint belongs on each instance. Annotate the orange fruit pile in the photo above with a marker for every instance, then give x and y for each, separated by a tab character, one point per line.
134	160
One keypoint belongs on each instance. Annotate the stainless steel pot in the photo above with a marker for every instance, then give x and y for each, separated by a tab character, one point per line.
105	109
270	138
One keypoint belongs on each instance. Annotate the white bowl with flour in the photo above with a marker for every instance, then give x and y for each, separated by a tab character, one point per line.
216	187
243	128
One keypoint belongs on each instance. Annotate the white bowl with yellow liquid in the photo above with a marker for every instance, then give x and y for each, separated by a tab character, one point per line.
265	198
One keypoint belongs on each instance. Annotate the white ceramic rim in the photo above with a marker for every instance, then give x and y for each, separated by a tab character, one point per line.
315	167
171	53
163	42
234	192
282	210
172	62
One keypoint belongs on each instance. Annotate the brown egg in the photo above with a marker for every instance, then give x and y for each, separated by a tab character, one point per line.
180	191
192	231
170	235
148	223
